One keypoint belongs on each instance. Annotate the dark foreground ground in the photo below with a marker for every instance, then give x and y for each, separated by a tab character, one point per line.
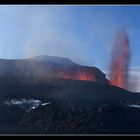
76	107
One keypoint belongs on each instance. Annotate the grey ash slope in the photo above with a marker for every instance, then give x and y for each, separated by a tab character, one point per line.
45	67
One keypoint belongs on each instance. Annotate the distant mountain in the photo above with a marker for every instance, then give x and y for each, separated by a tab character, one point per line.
49	67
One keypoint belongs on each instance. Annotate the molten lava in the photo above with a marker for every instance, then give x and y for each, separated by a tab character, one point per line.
79	74
86	75
120	61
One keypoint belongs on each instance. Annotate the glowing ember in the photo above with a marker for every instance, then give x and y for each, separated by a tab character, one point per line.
120	61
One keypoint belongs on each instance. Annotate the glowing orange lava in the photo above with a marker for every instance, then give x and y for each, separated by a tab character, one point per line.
120	61
78	75
85	75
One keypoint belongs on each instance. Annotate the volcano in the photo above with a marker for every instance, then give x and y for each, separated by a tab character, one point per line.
42	68
53	95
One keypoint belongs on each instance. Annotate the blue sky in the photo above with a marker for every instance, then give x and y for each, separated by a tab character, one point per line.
81	33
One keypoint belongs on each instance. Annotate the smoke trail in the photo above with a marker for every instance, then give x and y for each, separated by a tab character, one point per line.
120	60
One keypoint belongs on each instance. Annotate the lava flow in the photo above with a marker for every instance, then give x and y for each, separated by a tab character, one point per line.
120	61
86	75
79	74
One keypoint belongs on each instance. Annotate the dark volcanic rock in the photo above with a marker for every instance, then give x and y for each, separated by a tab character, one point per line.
98	118
10	115
75	107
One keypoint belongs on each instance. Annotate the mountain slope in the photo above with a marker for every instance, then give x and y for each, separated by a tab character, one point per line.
47	67
75	107
81	107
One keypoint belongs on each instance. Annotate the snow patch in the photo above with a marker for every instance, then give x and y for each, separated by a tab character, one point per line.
134	106
27	104
45	104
